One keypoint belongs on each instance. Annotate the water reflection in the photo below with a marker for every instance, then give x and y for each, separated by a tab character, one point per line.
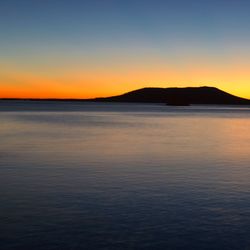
125	179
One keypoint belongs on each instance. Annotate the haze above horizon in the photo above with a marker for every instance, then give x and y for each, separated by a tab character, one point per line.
85	49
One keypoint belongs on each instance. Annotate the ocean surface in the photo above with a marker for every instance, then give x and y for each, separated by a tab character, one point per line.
123	176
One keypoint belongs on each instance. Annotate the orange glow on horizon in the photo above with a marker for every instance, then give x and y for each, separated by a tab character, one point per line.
103	83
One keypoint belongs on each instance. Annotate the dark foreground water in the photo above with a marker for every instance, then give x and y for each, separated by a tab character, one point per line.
123	176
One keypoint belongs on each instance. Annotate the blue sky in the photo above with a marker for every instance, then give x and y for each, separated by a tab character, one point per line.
39	35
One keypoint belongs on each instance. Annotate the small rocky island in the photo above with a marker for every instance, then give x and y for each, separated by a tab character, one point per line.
169	96
178	96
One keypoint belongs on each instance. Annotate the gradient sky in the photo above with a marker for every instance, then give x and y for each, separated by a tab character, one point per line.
88	48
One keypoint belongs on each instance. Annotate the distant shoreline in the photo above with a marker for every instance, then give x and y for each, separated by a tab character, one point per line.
188	95
114	102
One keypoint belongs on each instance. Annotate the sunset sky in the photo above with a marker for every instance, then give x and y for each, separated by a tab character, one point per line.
90	48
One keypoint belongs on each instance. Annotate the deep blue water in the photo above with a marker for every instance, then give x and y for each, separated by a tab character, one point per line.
124	176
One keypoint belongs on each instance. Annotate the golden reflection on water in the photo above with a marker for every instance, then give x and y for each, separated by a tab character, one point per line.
84	174
118	136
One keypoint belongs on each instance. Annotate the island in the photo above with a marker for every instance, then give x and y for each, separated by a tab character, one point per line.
170	96
178	96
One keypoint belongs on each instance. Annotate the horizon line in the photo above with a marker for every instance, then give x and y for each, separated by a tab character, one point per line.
94	98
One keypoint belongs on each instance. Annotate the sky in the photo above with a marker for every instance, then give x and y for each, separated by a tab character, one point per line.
94	48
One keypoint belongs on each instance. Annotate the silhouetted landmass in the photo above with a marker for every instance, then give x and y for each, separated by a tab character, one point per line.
170	96
179	96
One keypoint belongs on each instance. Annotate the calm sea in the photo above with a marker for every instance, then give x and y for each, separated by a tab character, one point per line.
124	176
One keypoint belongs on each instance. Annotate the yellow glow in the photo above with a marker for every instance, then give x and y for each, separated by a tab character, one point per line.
98	82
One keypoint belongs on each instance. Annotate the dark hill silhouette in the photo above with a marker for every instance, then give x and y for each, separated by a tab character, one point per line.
170	96
178	96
